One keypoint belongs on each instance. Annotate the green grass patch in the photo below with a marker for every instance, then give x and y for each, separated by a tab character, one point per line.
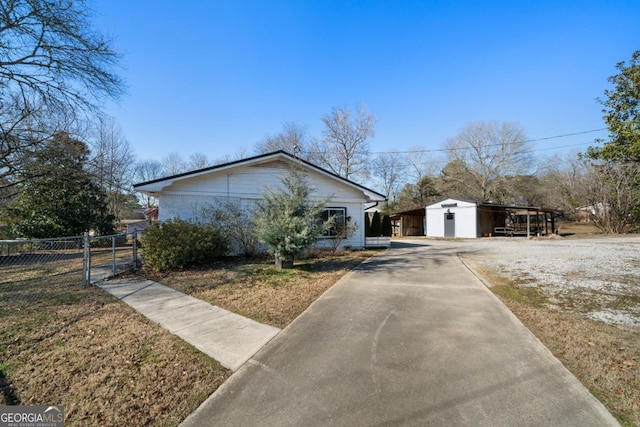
522	294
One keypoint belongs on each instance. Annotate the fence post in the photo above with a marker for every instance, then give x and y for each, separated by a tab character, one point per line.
86	260
113	255
134	255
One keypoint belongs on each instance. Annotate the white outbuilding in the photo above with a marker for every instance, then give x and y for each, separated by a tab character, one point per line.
460	218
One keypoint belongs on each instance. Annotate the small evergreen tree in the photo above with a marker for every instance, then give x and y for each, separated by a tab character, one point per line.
386	226
287	221
367	225
376	225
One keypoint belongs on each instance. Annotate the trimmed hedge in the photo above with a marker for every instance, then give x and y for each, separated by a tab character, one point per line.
177	244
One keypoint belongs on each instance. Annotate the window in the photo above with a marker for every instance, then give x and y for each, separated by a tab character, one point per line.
339	220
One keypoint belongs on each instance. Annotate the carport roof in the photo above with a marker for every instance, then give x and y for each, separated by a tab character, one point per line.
500	206
416	211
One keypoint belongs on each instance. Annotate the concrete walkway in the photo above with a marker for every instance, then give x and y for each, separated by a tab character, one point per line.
227	337
409	338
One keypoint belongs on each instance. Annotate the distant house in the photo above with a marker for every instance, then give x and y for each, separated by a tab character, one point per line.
130	226
244	181
459	218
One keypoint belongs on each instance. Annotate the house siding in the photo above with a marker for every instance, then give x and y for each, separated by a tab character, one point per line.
186	198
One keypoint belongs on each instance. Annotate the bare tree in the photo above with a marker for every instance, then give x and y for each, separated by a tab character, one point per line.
49	50
482	153
614	196
420	163
563	181
52	65
112	164
239	154
147	170
198	161
344	150
390	170
293	139
174	164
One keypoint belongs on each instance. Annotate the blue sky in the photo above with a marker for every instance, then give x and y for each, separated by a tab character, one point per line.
216	76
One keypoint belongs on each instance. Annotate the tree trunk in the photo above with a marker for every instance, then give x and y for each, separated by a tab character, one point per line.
284	263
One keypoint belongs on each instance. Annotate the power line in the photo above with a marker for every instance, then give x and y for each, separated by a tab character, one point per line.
437	150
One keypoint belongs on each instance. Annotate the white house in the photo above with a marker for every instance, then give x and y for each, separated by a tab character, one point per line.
244	181
459	218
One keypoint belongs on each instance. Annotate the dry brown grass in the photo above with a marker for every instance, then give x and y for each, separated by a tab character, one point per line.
606	359
577	228
258	290
61	344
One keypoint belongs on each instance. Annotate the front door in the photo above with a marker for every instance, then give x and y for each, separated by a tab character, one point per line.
449	224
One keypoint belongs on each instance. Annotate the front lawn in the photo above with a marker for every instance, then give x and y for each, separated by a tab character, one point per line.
110	366
82	348
258	290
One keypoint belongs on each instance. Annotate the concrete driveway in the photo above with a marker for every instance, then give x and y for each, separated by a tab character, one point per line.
410	338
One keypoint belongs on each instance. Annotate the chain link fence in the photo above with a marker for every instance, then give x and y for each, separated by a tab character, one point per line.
44	269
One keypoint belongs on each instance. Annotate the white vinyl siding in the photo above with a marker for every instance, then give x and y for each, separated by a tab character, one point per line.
184	198
465	214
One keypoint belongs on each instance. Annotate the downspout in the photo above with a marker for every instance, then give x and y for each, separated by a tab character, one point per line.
372	206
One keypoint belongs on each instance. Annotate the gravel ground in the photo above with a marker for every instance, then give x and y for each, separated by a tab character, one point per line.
597	277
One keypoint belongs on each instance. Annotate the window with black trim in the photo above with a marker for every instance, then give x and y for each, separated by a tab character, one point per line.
339	221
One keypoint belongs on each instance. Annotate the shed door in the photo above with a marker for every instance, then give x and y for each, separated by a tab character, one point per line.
449	224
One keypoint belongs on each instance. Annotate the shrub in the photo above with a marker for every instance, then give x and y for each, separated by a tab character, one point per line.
236	223
177	244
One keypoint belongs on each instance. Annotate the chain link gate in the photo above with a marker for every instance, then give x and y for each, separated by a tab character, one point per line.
107	256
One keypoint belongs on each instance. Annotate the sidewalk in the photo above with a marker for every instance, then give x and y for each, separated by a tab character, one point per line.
227	337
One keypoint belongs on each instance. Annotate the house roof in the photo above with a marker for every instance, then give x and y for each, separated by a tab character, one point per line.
156	185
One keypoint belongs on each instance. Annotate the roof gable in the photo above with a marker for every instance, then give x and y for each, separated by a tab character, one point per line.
276	159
